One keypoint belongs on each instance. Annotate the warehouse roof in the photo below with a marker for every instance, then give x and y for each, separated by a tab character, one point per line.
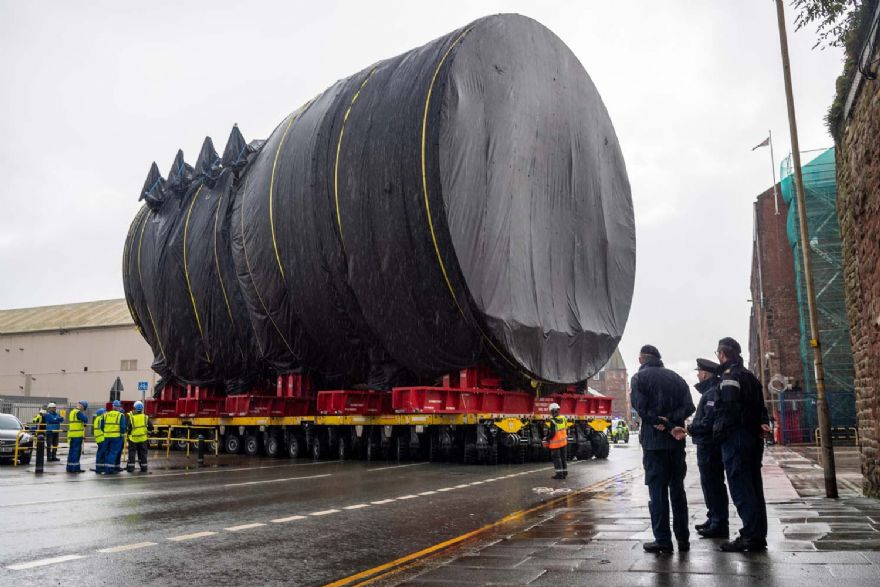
97	314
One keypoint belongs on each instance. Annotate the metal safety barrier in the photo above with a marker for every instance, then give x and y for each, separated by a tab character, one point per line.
840	433
189	440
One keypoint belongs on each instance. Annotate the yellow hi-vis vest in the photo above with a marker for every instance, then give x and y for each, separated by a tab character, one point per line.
76	429
559	439
111	424
96	427
138	432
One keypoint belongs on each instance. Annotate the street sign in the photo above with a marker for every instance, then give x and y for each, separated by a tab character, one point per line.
143	385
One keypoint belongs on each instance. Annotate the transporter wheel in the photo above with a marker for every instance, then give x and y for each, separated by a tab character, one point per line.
273	447
371	450
492	454
294	446
251	445
25	459
400	448
585	451
180	444
469	456
434	453
318	448
601	447
232	444
343	449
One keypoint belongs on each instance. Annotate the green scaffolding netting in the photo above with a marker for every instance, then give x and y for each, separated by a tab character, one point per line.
820	196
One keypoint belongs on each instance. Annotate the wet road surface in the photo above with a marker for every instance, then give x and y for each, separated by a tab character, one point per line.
257	521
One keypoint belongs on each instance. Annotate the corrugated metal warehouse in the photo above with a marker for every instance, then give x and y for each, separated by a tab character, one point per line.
74	351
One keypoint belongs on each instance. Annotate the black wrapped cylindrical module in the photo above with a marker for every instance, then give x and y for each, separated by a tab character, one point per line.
465	201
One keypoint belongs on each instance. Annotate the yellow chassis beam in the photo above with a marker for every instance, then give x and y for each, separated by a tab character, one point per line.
505	422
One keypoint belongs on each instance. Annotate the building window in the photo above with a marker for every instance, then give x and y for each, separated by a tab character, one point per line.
128	365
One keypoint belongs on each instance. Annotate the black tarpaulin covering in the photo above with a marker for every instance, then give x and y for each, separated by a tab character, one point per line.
464	201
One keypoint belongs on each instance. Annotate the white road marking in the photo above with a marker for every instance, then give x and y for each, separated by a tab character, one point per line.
408	497
195	536
45	561
356	506
396	467
428	493
323	513
244	527
446	489
462	486
127	547
477	482
276	480
288	519
381	501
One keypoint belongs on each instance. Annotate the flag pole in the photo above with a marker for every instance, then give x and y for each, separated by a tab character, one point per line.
773	169
828	465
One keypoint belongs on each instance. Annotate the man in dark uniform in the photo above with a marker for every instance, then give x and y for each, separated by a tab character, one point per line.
740	421
709	452
663	402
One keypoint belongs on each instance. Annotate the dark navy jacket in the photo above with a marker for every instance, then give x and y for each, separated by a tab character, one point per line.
740	404
657	391
701	426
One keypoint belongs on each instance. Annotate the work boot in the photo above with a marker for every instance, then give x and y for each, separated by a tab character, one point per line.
703	526
657	547
684	546
558	476
714	532
565	474
129	469
143	469
743	545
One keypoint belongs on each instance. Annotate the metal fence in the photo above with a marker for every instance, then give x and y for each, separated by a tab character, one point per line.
25	408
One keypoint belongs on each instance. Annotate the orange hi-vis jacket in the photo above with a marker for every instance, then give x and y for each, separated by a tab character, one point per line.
560	437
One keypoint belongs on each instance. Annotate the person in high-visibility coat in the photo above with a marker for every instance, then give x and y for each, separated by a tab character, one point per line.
98	430
556	439
76	433
139	427
114	427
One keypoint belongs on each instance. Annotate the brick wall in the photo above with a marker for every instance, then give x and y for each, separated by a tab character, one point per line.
775	324
858	207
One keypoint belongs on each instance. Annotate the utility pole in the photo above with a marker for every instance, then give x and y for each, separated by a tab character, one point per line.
821	400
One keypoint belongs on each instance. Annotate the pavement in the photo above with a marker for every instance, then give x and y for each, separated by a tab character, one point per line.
594	536
282	522
253	521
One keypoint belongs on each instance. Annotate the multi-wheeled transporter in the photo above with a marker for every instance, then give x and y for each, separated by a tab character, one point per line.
417	259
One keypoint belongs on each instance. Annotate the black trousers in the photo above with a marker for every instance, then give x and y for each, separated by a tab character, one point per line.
52	444
711	465
664	475
558	456
743	452
139	449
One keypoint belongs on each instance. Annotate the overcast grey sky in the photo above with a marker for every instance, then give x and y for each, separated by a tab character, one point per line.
93	92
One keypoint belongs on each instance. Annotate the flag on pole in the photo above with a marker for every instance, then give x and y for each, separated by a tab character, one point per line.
763	143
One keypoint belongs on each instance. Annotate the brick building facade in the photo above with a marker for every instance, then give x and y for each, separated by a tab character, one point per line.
775	329
858	207
612	381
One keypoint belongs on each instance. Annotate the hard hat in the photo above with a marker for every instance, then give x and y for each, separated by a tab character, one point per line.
100	412
85	404
554	406
117	404
42	411
139	406
50	405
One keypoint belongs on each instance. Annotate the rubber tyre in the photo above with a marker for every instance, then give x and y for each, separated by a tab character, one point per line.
294	447
435	455
274	447
601	447
25	459
469	456
232	444
317	449
371	450
343	449
492	454
252	445
585	451
400	447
